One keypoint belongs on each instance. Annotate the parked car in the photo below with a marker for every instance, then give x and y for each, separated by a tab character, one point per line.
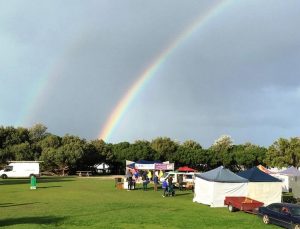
282	214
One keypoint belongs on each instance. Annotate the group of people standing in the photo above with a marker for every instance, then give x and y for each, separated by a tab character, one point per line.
142	176
167	186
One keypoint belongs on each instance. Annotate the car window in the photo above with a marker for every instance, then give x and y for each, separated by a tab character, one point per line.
8	168
275	207
295	211
285	210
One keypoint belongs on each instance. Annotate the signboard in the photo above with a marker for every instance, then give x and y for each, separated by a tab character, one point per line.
155	166
170	166
160	166
144	166
164	166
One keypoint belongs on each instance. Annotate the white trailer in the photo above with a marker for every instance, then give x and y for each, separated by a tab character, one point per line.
21	169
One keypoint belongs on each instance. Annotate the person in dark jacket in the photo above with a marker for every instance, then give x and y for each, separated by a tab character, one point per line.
180	181
164	187
155	181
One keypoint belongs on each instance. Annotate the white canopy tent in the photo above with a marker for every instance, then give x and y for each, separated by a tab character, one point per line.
290	180
212	187
262	187
102	168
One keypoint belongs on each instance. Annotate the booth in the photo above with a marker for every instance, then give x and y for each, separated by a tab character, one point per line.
290	178
102	168
213	186
262	186
142	165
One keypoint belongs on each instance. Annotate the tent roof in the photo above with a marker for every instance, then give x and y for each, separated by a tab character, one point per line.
186	169
221	174
147	162
291	171
102	166
264	169
256	175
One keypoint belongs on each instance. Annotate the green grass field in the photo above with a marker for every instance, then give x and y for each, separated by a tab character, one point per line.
73	202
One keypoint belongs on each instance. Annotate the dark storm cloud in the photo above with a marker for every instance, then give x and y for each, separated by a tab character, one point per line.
237	75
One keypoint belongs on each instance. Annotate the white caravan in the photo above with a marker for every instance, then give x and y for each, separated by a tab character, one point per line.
20	169
187	177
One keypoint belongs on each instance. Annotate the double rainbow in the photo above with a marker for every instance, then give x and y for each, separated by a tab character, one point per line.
123	105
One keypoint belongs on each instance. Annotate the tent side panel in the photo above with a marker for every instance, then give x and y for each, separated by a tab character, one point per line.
266	192
295	185
203	191
284	181
221	190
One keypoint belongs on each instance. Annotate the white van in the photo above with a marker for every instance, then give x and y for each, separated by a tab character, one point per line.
187	177
20	169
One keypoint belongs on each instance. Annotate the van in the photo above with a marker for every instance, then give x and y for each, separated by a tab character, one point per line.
20	169
187	177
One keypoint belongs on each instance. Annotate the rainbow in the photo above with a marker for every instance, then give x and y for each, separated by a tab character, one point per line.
47	81
123	105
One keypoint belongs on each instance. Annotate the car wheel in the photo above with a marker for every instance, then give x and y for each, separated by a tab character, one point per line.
4	176
266	219
231	208
296	226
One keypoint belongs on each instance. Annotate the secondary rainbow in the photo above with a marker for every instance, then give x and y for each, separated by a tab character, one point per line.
122	106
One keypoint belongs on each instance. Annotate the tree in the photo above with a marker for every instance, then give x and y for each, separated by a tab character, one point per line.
37	132
140	150
50	141
190	144
164	148
68	155
223	143
221	153
248	155
283	153
188	154
23	152
48	157
105	152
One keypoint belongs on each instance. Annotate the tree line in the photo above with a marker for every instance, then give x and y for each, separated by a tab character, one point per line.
70	153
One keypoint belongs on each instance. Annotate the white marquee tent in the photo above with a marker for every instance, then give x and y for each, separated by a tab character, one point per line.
212	187
290	178
262	187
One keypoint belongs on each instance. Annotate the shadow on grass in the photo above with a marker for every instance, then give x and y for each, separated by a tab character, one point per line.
6	205
183	194
54	186
40	180
31	220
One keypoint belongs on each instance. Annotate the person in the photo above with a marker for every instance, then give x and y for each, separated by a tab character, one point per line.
160	174
170	184
129	180
133	182
155	181
180	182
136	174
149	175
170	181
164	187
145	182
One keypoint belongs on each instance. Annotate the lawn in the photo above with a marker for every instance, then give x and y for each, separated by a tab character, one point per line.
74	202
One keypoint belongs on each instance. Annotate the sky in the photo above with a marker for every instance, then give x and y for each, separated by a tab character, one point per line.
67	65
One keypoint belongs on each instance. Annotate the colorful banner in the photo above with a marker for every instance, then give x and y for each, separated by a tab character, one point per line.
164	166
160	166
144	166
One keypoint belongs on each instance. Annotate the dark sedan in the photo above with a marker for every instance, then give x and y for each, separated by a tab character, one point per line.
281	214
